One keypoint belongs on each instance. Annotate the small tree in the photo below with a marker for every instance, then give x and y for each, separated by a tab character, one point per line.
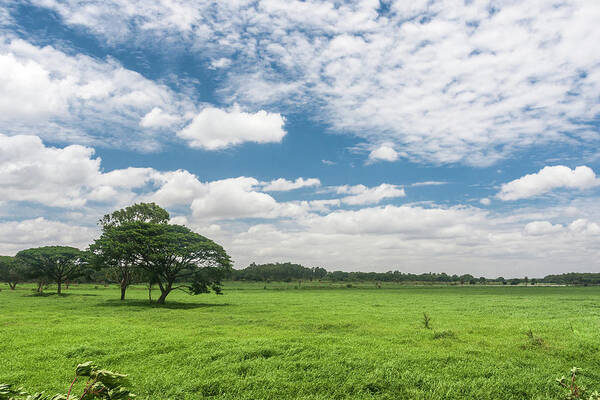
54	263
12	271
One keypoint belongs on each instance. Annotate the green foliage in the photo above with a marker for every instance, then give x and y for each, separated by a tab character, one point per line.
53	263
281	272
100	384
12	271
141	212
426	321
575	391
574	278
173	255
138	242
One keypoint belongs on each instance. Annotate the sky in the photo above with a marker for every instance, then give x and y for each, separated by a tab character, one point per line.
456	136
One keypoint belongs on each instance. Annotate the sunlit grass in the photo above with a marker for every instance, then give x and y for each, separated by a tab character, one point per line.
306	340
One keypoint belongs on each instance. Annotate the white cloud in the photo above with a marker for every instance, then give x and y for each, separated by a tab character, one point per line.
445	81
81	99
548	179
253	226
429	183
157	118
214	129
542	228
360	194
19	235
485	201
281	184
383	153
234	198
220	63
584	226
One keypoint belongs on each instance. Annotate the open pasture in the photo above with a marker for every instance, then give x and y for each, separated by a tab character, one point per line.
314	342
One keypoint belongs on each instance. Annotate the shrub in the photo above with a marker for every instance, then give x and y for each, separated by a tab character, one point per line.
99	384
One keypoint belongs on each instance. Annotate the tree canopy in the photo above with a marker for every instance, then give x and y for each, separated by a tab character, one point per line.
12	271
175	256
55	263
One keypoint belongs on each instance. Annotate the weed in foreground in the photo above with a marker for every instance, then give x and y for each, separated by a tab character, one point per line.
576	392
426	321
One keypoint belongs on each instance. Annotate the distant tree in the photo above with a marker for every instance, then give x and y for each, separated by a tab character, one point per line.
12	271
53	263
112	252
533	282
526	280
174	256
482	280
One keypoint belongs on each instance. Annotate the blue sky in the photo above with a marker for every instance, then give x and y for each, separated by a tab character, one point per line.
437	135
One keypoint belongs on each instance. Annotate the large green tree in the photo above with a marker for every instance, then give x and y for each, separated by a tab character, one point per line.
112	250
176	257
54	263
12	271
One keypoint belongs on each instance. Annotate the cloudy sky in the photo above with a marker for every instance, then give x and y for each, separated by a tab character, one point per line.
428	135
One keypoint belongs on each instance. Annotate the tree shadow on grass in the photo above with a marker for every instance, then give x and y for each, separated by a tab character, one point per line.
54	294
171	305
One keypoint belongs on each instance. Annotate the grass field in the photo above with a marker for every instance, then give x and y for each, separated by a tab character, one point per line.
309	343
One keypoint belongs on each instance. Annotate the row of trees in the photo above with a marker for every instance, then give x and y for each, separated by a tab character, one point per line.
137	244
287	272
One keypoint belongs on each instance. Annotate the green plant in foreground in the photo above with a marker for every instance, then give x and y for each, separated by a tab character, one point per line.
426	321
575	391
100	384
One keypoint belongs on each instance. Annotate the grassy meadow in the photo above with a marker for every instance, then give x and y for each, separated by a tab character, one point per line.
314	342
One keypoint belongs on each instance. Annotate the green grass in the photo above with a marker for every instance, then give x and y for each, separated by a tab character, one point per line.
315	342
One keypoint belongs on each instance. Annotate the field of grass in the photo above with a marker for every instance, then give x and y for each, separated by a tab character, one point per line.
310	342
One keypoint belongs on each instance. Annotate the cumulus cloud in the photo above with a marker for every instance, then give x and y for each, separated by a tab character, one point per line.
542	228
240	198
548	179
485	201
383	153
360	194
282	185
157	118
214	129
254	226
19	235
80	99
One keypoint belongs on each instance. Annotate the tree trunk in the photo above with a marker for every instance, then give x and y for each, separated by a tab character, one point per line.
164	292
123	289
163	296
150	292
59	283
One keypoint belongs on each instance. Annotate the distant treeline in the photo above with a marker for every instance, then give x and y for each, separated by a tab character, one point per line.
287	272
574	278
